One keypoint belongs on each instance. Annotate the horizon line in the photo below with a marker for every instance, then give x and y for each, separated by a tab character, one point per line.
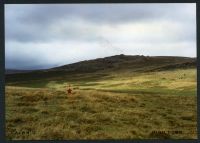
26	69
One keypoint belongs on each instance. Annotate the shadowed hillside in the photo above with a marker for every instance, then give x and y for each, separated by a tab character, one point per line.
118	63
13	71
125	62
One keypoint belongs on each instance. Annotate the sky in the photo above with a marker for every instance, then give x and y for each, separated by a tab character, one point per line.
41	36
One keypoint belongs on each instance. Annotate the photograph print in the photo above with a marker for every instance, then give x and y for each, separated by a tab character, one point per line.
100	71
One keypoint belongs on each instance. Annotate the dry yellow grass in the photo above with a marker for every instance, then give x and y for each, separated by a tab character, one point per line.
125	105
51	114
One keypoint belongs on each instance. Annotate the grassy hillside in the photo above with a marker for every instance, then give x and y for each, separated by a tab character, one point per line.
155	101
106	66
13	71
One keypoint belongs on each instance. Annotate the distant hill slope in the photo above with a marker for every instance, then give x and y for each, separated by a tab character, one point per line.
135	63
13	71
117	63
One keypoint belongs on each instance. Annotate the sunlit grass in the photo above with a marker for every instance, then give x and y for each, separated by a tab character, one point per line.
124	106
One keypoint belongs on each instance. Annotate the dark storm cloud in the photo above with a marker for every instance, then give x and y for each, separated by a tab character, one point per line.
34	33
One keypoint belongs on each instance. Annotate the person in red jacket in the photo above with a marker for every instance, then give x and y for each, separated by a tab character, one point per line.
69	90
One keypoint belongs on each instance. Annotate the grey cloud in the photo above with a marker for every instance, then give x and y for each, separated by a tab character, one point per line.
29	64
83	25
33	22
111	13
